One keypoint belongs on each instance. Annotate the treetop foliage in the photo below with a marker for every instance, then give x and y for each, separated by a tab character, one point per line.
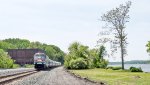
148	46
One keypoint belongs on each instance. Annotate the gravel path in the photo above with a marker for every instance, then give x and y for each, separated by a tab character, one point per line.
56	76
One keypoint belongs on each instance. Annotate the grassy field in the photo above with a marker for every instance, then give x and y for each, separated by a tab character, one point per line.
115	77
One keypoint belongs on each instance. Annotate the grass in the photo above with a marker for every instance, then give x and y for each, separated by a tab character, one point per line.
115	77
25	66
28	65
16	66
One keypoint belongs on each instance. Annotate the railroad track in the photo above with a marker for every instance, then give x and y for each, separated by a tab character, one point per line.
9	78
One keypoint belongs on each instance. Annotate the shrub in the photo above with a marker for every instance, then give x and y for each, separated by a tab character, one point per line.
110	67
90	63
114	68
67	61
66	65
117	68
5	60
134	69
78	63
101	64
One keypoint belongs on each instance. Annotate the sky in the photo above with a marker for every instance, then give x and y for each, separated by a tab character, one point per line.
61	22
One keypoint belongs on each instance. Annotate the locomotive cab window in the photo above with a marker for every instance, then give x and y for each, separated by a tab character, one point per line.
39	56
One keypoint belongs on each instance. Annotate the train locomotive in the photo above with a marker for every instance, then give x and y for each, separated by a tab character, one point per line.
42	61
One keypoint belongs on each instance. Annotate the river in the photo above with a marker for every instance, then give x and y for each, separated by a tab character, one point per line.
145	67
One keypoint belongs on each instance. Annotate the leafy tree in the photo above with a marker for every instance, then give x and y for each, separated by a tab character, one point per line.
50	52
78	50
94	56
5	45
78	63
35	45
115	20
97	55
5	60
80	57
67	59
148	46
102	52
77	53
18	43
55	53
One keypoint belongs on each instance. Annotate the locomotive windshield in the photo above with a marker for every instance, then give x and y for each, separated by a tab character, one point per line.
40	55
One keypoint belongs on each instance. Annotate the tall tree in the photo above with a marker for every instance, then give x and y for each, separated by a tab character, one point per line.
115	20
102	52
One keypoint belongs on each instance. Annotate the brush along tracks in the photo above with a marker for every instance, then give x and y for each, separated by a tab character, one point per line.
9	78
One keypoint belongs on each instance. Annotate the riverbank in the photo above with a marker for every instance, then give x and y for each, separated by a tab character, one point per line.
144	67
117	77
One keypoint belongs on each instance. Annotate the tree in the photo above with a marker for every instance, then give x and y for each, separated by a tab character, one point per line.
78	50
5	60
115	20
148	46
35	45
97	56
78	57
18	43
55	53
102	52
5	46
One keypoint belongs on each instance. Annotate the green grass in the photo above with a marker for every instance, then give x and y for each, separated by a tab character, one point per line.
28	65
16	66
115	77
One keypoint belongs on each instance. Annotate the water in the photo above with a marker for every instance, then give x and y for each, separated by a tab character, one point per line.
145	67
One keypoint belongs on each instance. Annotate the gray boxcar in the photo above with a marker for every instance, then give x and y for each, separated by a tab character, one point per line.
23	56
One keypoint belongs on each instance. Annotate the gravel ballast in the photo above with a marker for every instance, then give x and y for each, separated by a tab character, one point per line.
4	72
55	76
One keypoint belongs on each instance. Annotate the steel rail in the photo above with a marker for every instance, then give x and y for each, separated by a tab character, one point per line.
10	78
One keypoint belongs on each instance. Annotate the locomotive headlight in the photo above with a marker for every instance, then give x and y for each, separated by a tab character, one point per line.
39	60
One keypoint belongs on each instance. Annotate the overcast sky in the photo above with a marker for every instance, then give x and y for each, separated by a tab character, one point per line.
61	22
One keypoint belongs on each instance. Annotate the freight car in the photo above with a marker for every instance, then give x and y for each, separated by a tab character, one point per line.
23	56
42	61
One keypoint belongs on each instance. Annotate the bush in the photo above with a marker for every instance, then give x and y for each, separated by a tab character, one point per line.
117	68
101	64
114	68
5	60
67	61
78	63
110	67
134	69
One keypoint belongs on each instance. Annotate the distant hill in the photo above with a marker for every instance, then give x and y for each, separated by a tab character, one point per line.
133	62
